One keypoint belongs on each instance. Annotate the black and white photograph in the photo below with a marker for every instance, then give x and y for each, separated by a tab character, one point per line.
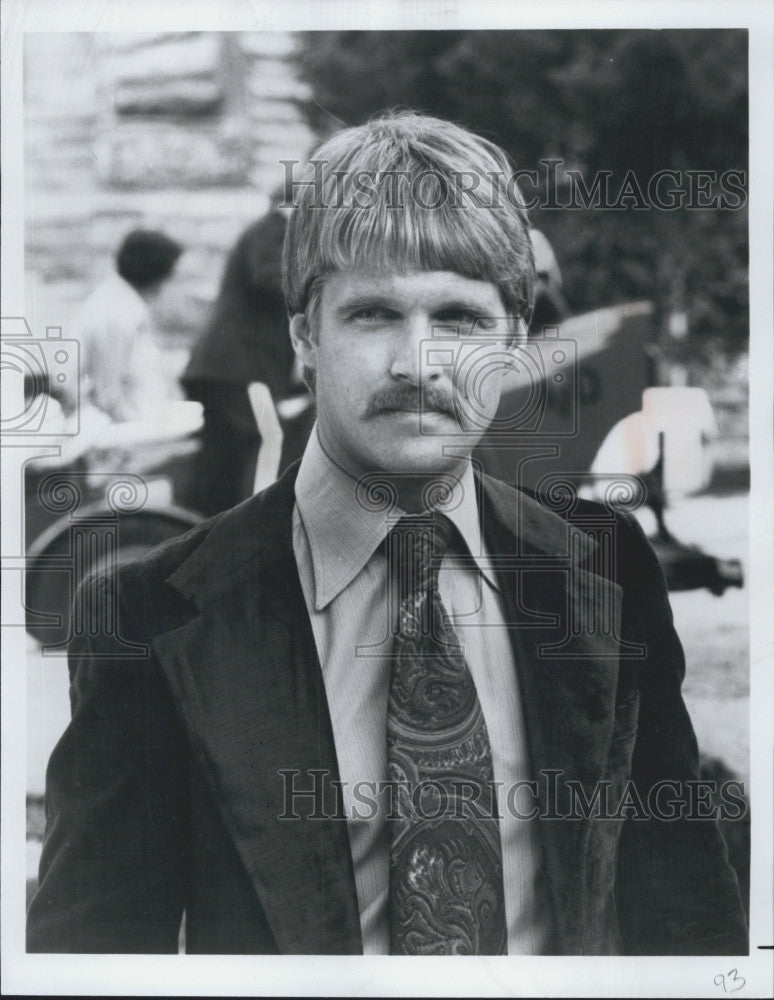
387	498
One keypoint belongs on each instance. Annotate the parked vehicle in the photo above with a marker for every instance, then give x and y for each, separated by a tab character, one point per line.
582	415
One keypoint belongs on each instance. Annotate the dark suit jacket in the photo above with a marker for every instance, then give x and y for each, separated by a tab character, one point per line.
164	793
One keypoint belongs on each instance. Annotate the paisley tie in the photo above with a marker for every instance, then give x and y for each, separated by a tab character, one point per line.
446	873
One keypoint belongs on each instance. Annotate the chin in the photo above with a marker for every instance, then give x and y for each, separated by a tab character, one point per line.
422	458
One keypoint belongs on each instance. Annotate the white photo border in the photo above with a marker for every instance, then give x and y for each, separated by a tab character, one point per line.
308	975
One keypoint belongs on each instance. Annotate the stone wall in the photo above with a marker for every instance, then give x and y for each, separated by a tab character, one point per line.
182	132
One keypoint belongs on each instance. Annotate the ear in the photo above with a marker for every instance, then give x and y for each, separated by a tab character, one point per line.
304	340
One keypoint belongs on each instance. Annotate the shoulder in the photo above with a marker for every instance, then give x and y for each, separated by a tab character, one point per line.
160	562
599	532
146	600
113	306
138	588
162	588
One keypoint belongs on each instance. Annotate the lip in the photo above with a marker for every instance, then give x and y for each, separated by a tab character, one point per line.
425	411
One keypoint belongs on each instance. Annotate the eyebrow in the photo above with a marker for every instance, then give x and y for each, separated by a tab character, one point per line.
379	300
365	300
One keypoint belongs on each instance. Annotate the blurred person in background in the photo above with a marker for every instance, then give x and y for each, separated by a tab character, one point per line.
550	306
245	344
122	366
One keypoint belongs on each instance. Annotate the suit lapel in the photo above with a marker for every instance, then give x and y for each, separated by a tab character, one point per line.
563	626
247	678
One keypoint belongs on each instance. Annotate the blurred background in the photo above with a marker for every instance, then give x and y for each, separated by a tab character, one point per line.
185	133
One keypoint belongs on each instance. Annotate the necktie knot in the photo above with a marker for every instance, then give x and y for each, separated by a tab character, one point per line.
415	549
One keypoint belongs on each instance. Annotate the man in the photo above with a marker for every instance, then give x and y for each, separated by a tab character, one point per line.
376	707
122	367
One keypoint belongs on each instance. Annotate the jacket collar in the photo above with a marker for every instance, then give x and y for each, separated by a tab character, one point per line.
245	675
564	622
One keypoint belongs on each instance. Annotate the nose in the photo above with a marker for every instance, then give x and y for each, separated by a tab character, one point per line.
414	361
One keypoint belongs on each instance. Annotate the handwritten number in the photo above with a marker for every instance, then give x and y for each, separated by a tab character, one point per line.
735	981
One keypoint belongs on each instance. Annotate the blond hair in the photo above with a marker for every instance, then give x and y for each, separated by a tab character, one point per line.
408	192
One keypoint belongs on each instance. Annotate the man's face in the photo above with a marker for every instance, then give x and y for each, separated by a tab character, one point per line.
407	365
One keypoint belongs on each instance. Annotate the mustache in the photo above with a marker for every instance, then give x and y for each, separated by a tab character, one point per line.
429	399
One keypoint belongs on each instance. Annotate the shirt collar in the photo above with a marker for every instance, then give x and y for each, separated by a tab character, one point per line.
344	532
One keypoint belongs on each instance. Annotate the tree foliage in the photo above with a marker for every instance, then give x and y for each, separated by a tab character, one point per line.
614	101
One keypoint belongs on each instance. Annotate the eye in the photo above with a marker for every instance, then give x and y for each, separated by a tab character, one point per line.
371	314
463	322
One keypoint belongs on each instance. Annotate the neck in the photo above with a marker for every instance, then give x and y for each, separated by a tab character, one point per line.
416	494
412	493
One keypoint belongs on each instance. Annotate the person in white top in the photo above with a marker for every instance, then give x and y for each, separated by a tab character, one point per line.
122	372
